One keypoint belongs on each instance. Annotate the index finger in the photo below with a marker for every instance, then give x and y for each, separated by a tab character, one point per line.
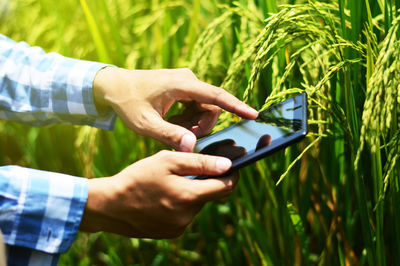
203	92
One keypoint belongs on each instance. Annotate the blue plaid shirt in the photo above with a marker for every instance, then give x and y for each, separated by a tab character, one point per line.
40	211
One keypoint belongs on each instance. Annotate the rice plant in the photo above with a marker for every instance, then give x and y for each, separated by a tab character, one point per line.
330	200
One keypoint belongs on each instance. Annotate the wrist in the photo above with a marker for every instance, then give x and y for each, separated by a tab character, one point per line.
96	216
101	86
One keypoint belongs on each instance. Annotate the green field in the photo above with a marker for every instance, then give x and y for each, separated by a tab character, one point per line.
332	199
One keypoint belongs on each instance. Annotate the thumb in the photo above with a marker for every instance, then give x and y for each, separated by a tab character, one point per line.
188	141
173	135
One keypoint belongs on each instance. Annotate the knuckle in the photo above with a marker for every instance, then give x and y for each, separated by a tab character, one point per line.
186	71
185	74
217	111
163	133
201	163
229	186
214	109
187	196
219	91
217	94
180	79
165	155
141	123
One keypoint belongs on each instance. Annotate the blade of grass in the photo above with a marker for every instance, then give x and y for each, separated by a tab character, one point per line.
271	5
119	50
193	28
378	184
101	48
300	231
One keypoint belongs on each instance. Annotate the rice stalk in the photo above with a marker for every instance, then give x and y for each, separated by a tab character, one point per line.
290	25
309	146
309	31
101	47
392	161
87	145
381	106
249	25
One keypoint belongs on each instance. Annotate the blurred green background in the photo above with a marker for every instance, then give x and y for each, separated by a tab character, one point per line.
330	200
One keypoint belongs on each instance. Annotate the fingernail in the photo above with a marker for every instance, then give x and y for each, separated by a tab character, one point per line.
187	143
253	111
223	164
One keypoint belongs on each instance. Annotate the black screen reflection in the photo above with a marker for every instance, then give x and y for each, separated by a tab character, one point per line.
226	148
264	141
249	136
229	149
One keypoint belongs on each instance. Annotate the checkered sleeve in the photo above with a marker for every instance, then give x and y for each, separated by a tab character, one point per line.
40	210
39	88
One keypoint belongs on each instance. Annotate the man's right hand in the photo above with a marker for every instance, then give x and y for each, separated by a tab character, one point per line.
142	98
152	198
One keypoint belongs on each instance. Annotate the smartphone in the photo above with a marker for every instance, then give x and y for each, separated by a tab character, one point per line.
250	140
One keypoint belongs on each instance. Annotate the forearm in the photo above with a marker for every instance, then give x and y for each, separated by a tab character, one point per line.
97	215
41	88
40	210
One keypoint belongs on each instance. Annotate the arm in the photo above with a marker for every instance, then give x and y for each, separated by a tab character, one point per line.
43	210
142	200
41	89
40	210
155	202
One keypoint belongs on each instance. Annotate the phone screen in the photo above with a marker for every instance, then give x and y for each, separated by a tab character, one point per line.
275	128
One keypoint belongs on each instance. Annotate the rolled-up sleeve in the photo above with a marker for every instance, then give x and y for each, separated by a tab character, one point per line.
40	89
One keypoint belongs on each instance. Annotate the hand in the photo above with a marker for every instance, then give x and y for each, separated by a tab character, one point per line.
155	202
143	97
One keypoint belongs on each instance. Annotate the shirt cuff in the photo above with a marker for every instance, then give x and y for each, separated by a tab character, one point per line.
40	210
73	79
